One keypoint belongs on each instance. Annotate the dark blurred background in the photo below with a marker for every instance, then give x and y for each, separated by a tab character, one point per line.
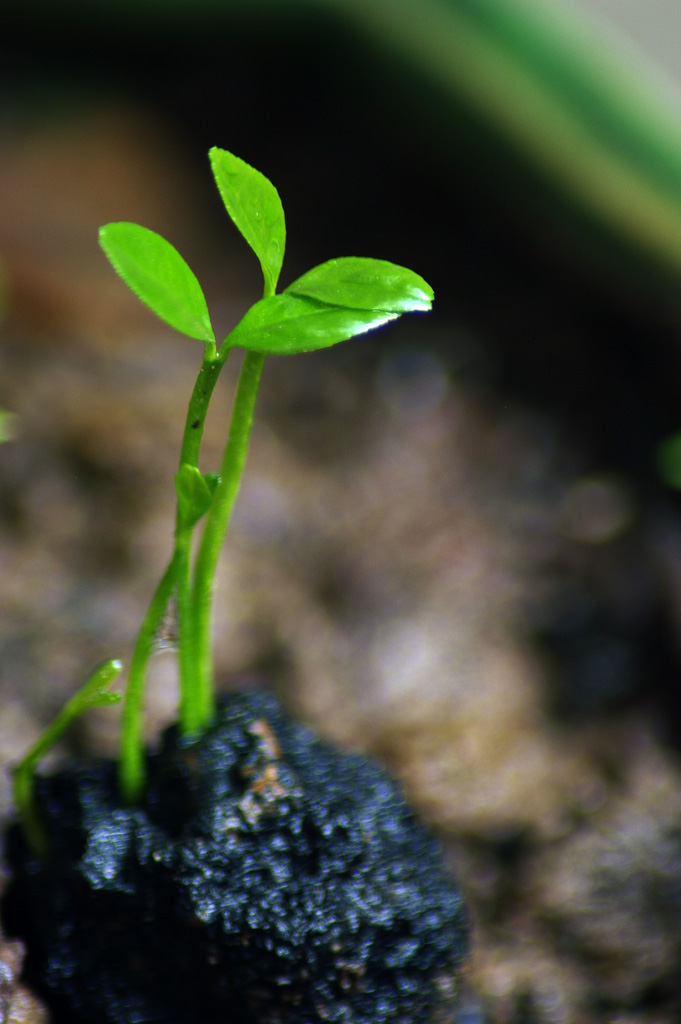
379	144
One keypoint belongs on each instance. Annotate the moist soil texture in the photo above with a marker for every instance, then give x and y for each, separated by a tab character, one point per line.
267	878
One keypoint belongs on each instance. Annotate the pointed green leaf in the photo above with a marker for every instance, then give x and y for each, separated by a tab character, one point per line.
154	270
103	700
254	205
96	684
363	283
285	324
194	493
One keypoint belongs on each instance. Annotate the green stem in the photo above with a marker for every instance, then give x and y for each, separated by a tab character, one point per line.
185	627
190	718
198	406
217	521
131	766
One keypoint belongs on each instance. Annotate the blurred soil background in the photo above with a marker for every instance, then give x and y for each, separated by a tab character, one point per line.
453	549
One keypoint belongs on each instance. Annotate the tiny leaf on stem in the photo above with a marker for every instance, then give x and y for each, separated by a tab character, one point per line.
254	205
362	283
194	493
285	324
154	270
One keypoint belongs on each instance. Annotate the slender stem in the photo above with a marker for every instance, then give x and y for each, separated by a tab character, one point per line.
185	627
24	800
190	709
217	521
131	767
198	407
194	601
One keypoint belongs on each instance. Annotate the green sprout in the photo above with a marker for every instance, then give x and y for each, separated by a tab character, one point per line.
94	693
332	302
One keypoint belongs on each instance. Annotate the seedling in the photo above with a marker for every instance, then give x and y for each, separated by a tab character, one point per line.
332	302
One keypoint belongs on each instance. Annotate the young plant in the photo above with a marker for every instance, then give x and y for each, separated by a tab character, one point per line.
337	300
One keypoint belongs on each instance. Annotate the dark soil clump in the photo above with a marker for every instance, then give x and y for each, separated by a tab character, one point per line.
267	878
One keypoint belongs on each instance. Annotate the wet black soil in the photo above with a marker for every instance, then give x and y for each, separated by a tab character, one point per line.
267	878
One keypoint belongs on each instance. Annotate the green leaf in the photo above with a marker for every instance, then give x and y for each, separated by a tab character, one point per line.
364	283
94	692
7	421
154	270
103	700
194	493
254	205
285	324
668	460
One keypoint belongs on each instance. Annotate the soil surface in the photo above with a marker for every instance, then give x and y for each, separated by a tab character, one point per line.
425	564
265	877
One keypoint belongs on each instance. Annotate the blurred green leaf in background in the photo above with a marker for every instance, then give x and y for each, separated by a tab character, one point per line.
592	115
573	98
7	420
